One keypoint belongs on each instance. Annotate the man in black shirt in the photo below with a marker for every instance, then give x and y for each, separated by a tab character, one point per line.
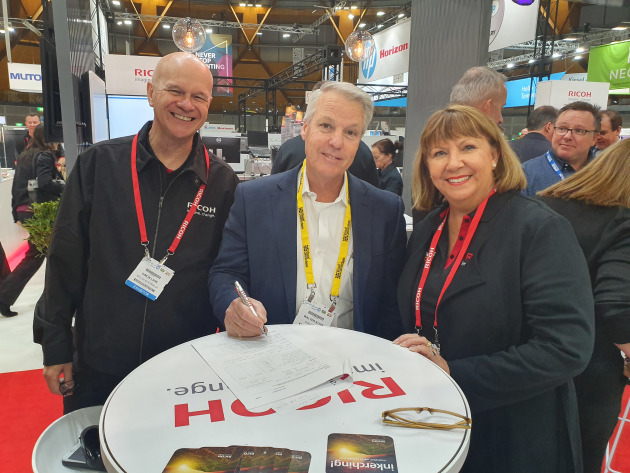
117	224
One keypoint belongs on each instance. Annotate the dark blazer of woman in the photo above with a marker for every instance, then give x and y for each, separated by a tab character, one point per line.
515	326
391	180
604	235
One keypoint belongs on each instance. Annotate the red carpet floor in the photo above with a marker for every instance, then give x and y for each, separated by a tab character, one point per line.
27	408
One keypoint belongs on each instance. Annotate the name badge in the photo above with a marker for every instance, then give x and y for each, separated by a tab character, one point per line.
149	278
313	314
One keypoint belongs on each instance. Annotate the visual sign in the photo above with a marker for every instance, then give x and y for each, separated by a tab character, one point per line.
217	55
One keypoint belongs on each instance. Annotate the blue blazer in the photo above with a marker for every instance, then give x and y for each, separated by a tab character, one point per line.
259	250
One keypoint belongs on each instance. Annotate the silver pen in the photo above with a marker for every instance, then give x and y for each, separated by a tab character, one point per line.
245	300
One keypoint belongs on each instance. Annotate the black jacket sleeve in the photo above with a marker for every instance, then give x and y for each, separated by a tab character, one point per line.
66	270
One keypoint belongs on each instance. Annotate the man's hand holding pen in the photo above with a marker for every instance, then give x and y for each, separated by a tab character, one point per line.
242	321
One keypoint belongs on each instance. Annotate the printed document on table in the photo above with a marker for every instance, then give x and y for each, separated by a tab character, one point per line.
264	370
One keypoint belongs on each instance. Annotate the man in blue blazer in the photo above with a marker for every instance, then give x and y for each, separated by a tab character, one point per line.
351	235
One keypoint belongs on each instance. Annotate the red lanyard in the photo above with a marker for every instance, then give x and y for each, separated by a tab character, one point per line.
454	268
136	193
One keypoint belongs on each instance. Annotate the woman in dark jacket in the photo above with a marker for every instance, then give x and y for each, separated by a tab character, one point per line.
596	201
498	281
38	164
388	175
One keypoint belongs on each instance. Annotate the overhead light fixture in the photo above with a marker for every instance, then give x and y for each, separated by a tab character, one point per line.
166	26
577	58
259	33
354	7
510	65
286	35
580	50
380	13
556	55
620	28
127	22
401	15
350	16
118	23
359	45
242	5
258	5
209	30
570	38
531	61
250	4
116	3
361	25
188	34
379	26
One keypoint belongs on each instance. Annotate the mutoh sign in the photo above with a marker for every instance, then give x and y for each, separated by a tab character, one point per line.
25	77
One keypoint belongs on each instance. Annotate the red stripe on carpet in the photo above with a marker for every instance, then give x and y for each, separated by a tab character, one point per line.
27	408
17	256
620	461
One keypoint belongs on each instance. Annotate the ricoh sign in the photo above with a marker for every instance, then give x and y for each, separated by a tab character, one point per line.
25	77
390	56
558	93
128	75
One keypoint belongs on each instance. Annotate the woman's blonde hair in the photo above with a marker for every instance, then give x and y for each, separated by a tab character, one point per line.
457	121
604	181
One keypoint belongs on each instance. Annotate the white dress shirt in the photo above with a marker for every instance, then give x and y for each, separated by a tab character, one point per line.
325	227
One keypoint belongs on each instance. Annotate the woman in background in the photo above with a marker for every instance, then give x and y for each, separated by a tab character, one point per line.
37	162
597	203
389	177
487	281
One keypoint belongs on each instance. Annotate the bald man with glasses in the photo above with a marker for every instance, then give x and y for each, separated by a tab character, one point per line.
574	135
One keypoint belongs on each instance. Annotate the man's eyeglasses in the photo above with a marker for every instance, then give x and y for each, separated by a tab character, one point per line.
560	130
391	417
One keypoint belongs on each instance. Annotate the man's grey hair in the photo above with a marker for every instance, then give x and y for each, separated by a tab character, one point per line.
541	116
350	91
477	85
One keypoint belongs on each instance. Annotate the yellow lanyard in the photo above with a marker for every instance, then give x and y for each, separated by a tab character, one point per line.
306	247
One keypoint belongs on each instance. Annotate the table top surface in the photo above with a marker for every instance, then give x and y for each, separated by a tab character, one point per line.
175	400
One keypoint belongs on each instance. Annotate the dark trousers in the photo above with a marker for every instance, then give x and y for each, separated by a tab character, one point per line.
13	285
92	388
4	265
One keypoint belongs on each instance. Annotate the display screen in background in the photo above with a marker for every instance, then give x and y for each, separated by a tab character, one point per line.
127	114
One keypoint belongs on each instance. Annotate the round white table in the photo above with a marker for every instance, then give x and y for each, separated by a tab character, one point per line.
175	400
60	438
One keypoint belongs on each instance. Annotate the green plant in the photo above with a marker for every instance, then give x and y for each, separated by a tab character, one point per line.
40	225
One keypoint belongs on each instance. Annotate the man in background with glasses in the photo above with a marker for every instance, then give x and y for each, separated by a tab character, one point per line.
574	135
609	131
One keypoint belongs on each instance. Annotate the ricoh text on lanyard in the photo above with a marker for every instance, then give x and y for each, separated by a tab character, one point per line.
144	240
306	248
429	260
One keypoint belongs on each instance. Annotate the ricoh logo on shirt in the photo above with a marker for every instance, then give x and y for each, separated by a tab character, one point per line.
204	210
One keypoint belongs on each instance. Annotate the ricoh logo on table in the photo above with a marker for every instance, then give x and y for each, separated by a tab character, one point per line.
216	412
